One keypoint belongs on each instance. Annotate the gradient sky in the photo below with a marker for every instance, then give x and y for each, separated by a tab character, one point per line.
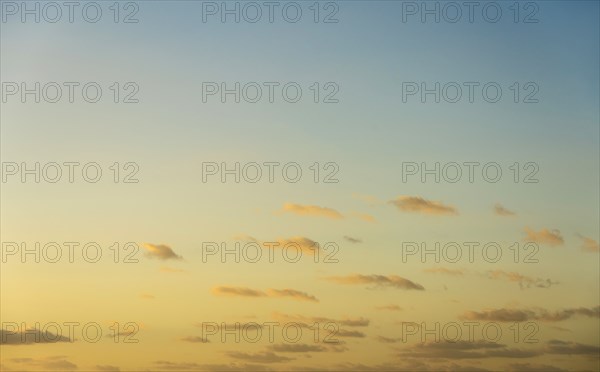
369	53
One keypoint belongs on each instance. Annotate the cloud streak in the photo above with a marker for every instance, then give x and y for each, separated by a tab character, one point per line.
392	281
312	211
160	252
417	204
544	236
248	292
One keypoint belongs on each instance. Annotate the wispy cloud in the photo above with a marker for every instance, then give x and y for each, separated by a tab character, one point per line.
523	280
160	252
520	315
417	204
364	216
309	320
544	236
352	240
589	244
248	292
392	281
261	357
501	211
312	211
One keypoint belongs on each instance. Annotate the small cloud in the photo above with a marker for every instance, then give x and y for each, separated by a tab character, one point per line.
237	291
352	240
160	252
312	210
388	340
521	315
571	348
589	244
501	211
417	204
248	292
147	296
393	281
52	363
523	280
544	236
297	295
262	357
369	199
310	321
297	348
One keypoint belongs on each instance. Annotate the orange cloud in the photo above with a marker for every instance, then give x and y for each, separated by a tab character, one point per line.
589	245
520	315
248	292
312	210
523	280
544	236
160	251
393	281
298	295
417	204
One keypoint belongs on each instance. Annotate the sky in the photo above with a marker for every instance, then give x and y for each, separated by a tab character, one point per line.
395	214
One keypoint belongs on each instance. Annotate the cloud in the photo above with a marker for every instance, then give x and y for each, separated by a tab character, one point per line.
387	340
520	315
389	307
369	199
30	337
52	363
298	295
464	350
305	245
544	236
147	296
528	367
261	357
160	252
195	340
589	244
347	333
352	240
237	291
301	243
571	348
443	270
297	348
364	216
393	281
310	320
524	281
312	210
248	292
501	211
417	204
